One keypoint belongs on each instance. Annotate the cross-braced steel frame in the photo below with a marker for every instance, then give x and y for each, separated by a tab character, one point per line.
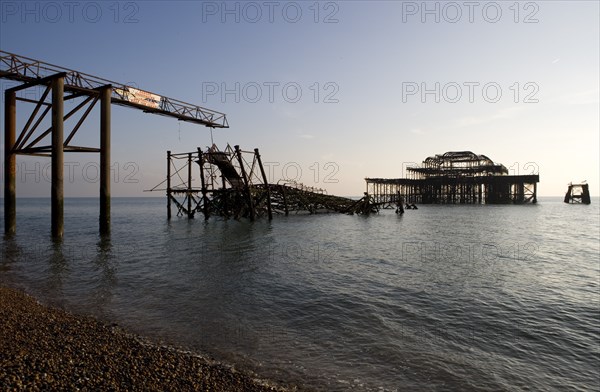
230	183
578	194
233	184
61	84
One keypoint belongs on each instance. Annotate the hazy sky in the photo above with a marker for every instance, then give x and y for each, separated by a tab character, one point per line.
330	92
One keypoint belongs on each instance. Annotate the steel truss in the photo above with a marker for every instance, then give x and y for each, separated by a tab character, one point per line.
25	69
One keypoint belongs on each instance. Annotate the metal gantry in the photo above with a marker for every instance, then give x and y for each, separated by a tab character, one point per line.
457	177
63	84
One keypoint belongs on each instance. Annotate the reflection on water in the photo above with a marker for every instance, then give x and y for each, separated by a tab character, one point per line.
105	265
446	297
11	253
58	267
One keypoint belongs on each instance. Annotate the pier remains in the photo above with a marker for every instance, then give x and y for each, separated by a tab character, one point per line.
232	183
456	177
578	194
51	130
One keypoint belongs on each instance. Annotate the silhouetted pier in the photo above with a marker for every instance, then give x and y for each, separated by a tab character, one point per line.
578	194
455	178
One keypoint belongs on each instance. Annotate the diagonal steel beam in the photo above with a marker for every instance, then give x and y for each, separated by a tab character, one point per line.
83	117
66	117
22	138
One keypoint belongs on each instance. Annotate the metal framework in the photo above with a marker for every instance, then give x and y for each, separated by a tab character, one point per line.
578	194
62	84
232	184
25	69
457	177
455	164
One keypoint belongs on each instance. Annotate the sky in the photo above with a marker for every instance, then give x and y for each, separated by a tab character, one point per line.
330	92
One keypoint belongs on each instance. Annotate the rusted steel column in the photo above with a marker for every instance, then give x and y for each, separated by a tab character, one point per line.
246	181
225	205
105	119
189	201
168	184
10	163
57	193
266	182
285	204
203	184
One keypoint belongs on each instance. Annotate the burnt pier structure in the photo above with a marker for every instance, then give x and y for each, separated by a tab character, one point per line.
457	177
232	183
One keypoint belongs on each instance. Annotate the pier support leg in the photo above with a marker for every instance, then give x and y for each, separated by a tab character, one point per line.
203	184
285	204
266	182
225	204
10	163
189	194
169	185
57	193
105	119
246	182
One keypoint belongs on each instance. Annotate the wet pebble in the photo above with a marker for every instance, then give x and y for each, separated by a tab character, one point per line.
43	348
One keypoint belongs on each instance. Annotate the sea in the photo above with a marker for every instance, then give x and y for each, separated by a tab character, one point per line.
446	297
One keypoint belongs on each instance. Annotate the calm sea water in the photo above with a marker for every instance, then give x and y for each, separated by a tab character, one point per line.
444	297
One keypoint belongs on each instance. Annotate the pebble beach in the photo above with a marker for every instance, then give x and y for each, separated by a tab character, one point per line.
45	348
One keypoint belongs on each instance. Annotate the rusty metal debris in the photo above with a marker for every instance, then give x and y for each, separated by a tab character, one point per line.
233	184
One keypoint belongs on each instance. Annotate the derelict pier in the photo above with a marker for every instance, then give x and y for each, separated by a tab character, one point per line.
460	177
232	183
578	194
53	141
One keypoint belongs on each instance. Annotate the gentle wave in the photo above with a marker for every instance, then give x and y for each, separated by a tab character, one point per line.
445	297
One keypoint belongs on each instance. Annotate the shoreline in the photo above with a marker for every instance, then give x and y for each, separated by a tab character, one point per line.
49	348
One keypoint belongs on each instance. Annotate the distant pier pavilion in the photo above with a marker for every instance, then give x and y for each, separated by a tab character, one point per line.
456	177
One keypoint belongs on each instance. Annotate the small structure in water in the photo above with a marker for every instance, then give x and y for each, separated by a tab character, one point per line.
578	194
456	177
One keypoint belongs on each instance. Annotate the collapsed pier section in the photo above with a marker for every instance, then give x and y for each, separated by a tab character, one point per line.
232	183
